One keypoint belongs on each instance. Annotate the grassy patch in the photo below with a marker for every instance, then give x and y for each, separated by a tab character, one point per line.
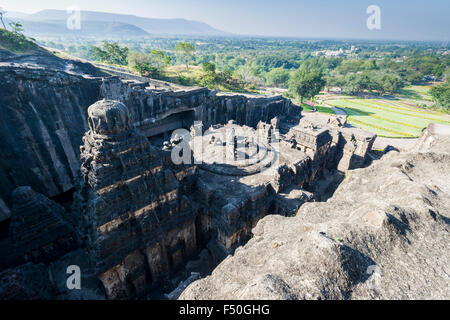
319	109
16	42
387	118
195	76
415	92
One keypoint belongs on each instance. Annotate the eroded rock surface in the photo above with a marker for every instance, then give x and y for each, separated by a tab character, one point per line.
383	235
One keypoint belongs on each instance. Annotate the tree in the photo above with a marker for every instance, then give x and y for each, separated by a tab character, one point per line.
2	14
335	81
414	77
16	27
278	77
144	64
370	65
209	78
390	83
115	53
306	83
185	50
98	53
16	41
208	67
165	60
357	83
271	61
441	95
248	74
111	53
351	84
350	66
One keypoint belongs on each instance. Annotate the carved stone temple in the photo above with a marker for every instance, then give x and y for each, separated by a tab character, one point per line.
110	198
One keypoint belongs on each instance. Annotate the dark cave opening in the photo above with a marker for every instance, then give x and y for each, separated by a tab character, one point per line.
65	199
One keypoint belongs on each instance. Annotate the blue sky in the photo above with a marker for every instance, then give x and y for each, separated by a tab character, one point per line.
400	19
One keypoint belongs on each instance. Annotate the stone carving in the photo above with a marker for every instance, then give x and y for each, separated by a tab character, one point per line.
132	204
139	216
38	230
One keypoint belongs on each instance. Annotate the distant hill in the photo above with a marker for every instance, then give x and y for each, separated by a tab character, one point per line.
89	28
53	22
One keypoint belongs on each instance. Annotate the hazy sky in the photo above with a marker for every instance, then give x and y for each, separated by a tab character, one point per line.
400	19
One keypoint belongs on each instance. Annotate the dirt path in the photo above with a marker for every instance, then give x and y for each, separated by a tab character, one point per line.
338	111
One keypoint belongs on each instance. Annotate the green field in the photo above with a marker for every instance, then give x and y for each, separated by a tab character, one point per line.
318	108
415	92
388	118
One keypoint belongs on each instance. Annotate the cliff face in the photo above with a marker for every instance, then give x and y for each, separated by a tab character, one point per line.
152	107
138	217
384	234
43	117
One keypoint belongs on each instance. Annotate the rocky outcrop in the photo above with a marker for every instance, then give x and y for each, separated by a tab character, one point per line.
43	58
5	212
383	235
150	108
317	133
353	146
39	281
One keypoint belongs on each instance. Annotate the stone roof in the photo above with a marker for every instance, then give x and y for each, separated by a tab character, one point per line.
108	117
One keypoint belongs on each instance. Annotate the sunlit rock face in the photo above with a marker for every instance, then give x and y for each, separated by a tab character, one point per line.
382	235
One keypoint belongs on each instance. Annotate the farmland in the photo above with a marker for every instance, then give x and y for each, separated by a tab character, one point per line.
388	117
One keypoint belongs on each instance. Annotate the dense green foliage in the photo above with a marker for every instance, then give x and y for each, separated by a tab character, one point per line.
111	52
185	50
149	65
278	77
213	79
15	41
306	82
441	96
354	67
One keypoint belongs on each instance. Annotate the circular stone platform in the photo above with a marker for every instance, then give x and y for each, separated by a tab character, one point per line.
233	150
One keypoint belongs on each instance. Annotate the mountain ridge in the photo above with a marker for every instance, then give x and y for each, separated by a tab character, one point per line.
177	26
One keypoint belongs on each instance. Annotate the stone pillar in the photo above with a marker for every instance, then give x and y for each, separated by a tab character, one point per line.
231	144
